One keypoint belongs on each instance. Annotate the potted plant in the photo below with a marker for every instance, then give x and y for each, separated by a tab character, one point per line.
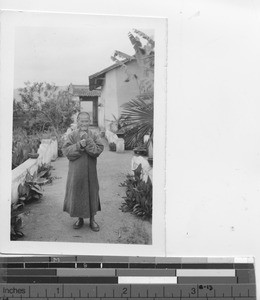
33	154
112	146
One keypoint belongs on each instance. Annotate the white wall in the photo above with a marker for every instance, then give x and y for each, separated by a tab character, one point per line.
127	91
109	96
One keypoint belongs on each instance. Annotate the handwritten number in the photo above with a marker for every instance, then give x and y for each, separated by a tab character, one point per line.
124	291
193	291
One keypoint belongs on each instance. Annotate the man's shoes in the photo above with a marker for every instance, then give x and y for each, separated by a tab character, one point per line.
79	223
94	226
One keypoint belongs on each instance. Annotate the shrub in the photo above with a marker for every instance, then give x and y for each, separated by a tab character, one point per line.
60	140
23	144
44	171
138	199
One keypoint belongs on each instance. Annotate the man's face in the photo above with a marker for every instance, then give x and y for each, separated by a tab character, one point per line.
83	122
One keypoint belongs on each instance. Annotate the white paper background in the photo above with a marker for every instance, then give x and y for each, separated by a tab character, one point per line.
213	146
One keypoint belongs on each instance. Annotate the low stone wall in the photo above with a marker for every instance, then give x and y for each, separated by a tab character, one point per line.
113	138
48	151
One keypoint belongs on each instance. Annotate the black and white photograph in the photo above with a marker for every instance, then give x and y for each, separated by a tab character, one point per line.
84	132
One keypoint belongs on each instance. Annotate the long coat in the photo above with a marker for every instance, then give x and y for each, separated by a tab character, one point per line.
82	188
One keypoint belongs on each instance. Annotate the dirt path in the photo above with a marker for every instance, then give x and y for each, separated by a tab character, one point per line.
47	222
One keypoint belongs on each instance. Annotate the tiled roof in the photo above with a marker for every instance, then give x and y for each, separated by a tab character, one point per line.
83	90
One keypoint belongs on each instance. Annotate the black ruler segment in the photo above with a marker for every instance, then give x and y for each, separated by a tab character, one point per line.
36	265
61	265
168	266
115	265
111	277
142	266
88	265
11	265
207	266
31	272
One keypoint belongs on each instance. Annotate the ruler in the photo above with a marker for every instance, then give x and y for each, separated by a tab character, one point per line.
118	277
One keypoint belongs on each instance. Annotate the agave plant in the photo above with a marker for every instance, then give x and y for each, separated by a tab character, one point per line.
31	189
16	220
138	199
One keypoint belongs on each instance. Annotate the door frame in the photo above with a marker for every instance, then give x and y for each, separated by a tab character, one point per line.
94	100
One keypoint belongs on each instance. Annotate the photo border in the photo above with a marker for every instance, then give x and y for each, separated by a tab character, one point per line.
11	20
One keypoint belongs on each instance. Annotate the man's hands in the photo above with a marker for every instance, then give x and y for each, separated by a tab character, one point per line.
83	143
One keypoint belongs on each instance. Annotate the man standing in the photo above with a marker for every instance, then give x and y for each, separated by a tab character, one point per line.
82	147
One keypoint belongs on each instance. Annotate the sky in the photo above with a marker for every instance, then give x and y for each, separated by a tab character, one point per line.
66	55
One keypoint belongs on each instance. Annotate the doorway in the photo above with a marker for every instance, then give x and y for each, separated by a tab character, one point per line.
90	105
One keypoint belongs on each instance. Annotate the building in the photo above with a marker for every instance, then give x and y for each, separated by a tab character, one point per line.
88	101
117	84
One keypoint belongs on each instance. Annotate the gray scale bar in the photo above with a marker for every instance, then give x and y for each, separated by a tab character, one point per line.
142	260
57	259
163	260
146	272
35	259
90	259
245	276
22	259
115	259
3	272
86	272
208	280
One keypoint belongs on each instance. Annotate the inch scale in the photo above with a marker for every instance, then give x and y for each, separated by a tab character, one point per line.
99	277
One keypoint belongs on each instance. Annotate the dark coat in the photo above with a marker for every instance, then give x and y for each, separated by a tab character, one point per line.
82	189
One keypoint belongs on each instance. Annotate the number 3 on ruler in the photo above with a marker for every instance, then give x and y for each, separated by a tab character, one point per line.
193	291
